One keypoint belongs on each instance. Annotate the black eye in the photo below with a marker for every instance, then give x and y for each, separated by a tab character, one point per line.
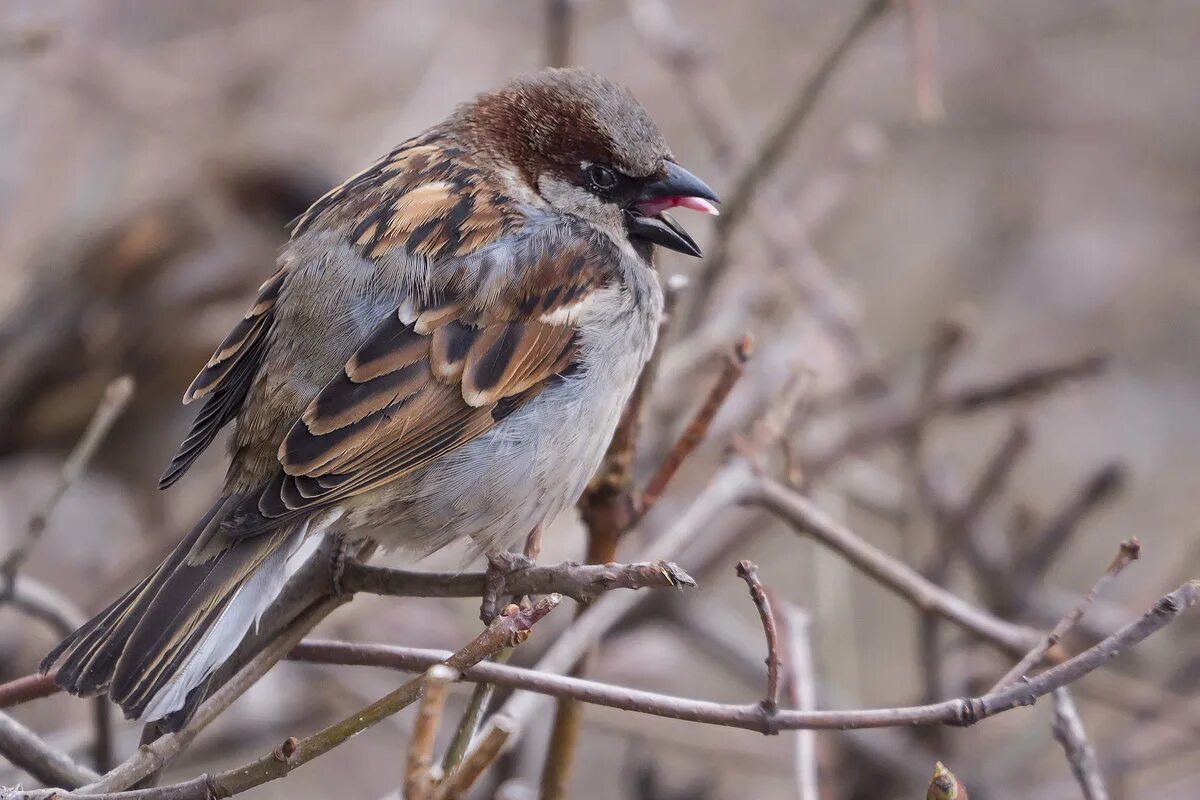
602	178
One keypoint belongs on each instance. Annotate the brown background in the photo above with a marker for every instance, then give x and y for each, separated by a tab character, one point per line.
1057	200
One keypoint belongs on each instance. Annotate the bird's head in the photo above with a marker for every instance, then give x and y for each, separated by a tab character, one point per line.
588	148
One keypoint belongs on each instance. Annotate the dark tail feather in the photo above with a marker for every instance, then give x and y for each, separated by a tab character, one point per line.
158	644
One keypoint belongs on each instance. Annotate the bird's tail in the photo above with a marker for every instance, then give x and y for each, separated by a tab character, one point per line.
154	649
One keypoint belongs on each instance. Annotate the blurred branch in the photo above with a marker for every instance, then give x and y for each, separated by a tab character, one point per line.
896	423
808	519
772	149
45	603
1100	487
802	685
28	751
559	15
481	756
1068	730
41	602
419	778
29	687
116	398
921	20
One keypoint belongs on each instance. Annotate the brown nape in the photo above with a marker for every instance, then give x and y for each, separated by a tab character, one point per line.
556	119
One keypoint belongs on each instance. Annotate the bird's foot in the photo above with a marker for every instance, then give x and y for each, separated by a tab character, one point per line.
500	566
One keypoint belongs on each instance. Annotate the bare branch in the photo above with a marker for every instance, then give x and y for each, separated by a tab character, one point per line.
1027	383
582	582
749	573
807	518
693	434
1128	552
510	628
28	751
1068	730
750	717
896	423
151	758
29	687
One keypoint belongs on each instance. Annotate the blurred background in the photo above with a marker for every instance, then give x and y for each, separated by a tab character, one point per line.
1028	170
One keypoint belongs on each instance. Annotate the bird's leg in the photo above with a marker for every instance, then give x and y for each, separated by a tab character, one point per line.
341	551
500	565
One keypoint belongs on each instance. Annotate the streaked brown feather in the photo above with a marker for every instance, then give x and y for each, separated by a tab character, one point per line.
239	341
226	378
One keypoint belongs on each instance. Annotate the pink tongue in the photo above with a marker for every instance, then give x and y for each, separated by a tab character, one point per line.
652	207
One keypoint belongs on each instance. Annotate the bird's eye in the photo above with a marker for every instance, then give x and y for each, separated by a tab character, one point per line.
602	178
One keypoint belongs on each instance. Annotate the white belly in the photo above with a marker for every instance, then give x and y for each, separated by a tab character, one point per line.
533	464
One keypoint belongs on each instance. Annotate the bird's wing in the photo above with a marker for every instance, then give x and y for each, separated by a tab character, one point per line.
423	198
226	378
417	389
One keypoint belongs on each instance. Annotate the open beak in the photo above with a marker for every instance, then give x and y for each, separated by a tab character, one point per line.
648	217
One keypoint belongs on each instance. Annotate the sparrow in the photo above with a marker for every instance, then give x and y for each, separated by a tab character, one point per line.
442	355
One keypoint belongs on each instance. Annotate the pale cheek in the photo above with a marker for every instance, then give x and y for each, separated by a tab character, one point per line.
571	199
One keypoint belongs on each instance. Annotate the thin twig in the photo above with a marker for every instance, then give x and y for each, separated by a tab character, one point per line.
419	779
1068	730
116	397
151	758
766	613
1128	552
896	423
693	434
28	751
1031	382
481	695
509	628
950	712
1098	488
809	519
468	723
45	603
956	526
749	716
